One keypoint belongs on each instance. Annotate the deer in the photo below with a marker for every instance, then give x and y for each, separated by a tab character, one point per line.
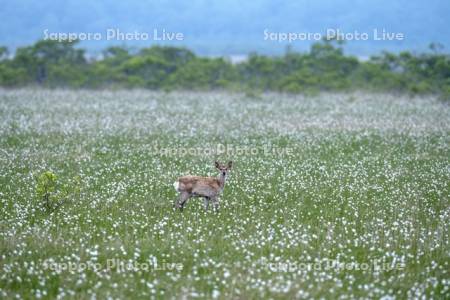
209	188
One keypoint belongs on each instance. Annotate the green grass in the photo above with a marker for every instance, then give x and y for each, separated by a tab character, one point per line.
363	181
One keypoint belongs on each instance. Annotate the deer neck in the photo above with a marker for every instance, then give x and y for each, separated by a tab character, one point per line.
222	179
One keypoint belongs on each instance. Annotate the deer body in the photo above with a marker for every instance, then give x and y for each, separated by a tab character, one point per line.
207	187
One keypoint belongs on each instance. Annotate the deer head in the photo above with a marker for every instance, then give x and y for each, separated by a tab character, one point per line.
224	169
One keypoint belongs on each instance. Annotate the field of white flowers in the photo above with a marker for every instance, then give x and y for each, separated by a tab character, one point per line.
341	196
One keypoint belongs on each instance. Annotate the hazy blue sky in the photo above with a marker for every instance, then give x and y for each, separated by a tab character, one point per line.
230	27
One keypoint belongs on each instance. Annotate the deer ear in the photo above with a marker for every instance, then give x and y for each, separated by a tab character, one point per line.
217	164
230	163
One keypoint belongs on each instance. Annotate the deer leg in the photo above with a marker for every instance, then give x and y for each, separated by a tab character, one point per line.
206	203
175	203
215	201
183	198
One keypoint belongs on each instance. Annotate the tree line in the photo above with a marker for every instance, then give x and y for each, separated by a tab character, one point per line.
324	67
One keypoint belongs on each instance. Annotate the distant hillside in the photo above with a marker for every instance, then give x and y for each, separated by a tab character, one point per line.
230	27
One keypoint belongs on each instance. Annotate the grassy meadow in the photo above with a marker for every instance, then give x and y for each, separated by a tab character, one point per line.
334	196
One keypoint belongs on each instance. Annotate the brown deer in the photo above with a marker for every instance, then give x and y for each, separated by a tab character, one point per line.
207	187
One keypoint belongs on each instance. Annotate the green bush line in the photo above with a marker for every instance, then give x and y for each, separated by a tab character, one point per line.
324	67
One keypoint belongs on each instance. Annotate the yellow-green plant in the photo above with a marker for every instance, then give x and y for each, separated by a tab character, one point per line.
46	184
